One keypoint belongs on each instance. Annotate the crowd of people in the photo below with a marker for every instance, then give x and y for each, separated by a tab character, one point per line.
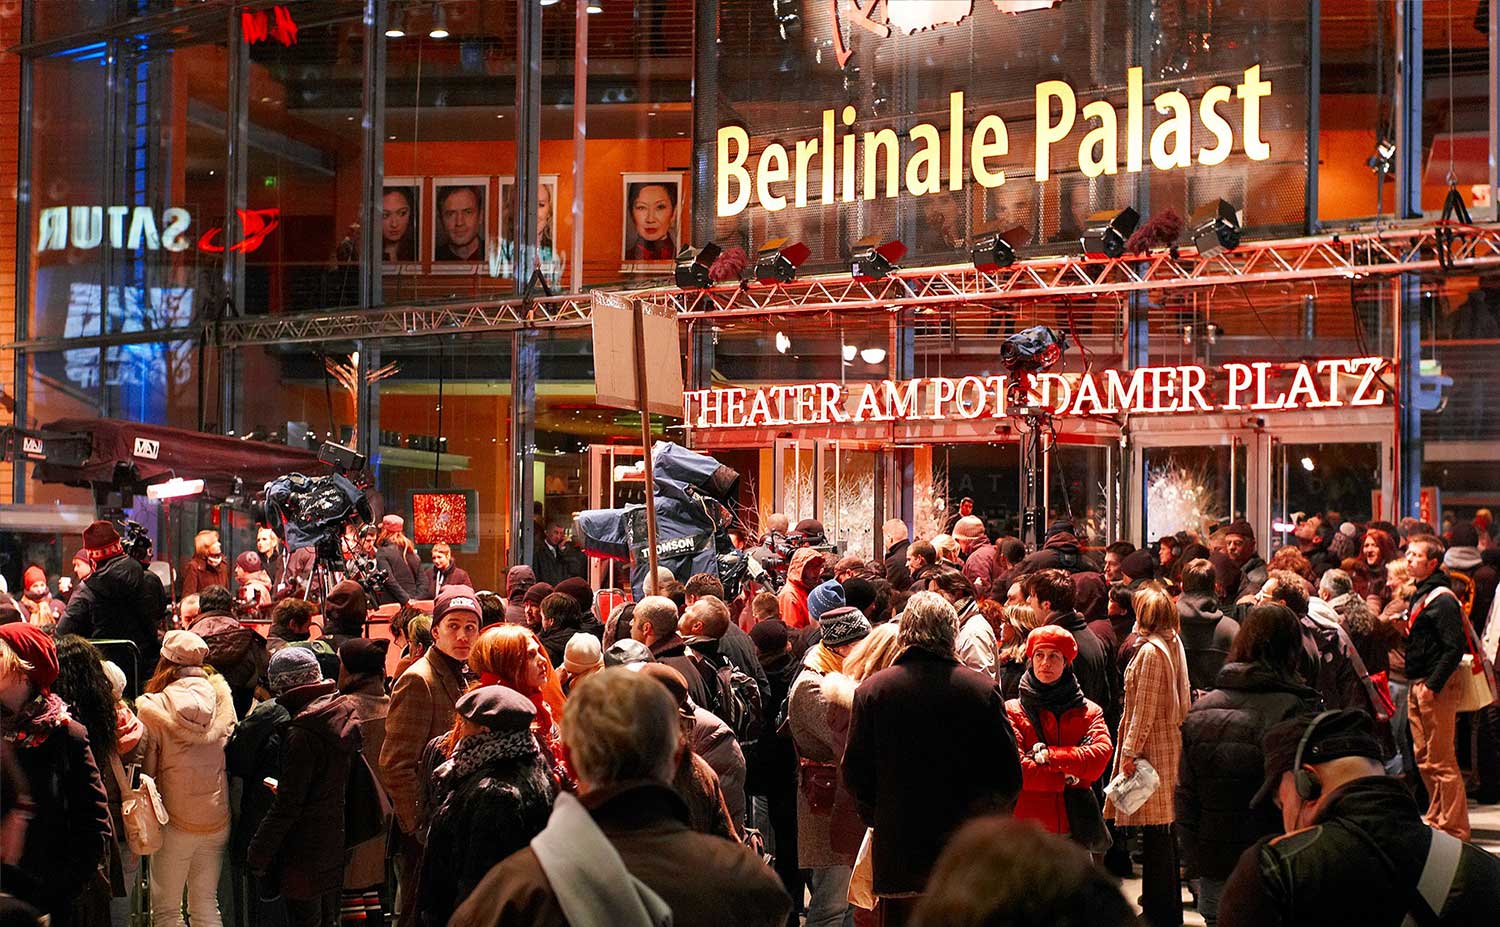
960	731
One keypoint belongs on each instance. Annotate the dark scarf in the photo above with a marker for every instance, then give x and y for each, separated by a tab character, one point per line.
1058	698
478	751
35	722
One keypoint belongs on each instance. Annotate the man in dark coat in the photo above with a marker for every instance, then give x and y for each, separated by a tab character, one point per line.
557	558
897	541
1060	551
654	623
1357	851
929	748
771	762
1051	593
1435	644
113	603
518	579
1239	544
235	649
626	826
982	565
1206	632
299	845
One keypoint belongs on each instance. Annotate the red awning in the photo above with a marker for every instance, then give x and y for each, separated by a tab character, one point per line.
152	453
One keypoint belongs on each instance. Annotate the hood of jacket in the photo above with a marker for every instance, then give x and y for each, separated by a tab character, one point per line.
1065	541
1461	558
194	709
798	567
518	579
1258	677
1198	608
215	623
319	709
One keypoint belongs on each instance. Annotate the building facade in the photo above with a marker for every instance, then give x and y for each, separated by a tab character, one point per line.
379	223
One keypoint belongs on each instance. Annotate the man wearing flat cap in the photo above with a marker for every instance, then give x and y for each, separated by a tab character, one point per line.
1356	850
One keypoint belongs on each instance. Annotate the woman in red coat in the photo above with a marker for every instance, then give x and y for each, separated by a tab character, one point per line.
1062	736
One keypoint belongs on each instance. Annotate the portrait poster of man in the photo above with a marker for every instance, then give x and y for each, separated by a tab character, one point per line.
400	221
652	222
548	255
461	223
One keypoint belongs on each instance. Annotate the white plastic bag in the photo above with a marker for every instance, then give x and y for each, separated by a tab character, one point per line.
862	879
1129	793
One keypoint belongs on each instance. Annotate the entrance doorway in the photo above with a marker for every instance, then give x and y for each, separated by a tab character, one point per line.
1221	471
840	483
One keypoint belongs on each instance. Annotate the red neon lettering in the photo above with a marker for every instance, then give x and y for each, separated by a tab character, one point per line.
1064	389
942	394
1120	398
1333	368
1261	404
1239	382
974	407
830	402
1088	392
258	26
1302	385
255	225
901	399
868	409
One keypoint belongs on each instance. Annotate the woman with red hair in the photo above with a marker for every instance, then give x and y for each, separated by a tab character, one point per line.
511	655
1376	549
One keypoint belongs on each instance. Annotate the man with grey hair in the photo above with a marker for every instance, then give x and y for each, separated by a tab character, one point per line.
622	852
929	748
654	584
1372	640
654	624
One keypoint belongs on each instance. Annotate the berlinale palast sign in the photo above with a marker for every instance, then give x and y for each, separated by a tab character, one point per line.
1260	386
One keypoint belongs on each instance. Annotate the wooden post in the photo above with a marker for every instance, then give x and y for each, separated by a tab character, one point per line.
640	402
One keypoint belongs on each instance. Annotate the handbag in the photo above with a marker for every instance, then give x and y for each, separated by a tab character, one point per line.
1086	825
1380	684
142	811
1475	675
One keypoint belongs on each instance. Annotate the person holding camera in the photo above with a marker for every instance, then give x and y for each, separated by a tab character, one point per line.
114	602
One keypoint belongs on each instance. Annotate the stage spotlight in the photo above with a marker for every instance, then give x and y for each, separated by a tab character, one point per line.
693	265
1215	228
872	355
850	352
875	258
993	250
777	260
397	26
1107	231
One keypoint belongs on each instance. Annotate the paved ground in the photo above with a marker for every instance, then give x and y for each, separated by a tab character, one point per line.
1483	819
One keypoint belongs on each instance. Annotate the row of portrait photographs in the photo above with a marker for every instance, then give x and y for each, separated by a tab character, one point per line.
459	236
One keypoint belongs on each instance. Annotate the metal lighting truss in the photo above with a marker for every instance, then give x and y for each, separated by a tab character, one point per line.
1411	249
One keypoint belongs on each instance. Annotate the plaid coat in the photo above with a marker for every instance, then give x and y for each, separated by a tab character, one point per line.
1156	701
422	707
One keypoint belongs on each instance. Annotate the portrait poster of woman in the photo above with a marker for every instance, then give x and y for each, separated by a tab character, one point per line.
549	257
652	222
400	222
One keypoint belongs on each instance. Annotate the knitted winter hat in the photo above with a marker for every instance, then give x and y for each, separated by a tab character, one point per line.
824	597
33	645
1138	565
582	654
33	575
101	541
537	593
184	648
249	561
292	667
579	589
968	528
345	607
770	637
843	625
392	523
364	656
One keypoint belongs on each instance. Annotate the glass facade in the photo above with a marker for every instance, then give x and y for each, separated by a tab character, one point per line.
191	166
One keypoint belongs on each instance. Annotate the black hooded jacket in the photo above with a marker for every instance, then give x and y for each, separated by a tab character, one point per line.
1061	551
1223	763
1206	637
115	602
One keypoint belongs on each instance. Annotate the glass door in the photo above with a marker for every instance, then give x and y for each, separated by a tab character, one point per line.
1338	481
1192	481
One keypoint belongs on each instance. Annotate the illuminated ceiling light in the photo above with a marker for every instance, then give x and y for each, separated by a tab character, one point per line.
693	265
1215	228
996	249
595	7
175	488
875	258
1107	231
397	27
439	28
872	355
783	343
850	352
778	259
549	2
1308	465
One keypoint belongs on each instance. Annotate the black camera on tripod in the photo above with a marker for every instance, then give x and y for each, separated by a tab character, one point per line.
135	540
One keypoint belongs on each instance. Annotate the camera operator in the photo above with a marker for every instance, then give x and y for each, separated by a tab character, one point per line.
115	601
363	564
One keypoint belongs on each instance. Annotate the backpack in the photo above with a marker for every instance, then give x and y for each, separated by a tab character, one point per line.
735	695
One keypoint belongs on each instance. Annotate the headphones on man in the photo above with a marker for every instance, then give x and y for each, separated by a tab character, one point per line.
1308	786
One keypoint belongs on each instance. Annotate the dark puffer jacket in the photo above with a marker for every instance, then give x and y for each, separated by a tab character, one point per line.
1061	551
237	652
1223	764
300	843
115	602
489	808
